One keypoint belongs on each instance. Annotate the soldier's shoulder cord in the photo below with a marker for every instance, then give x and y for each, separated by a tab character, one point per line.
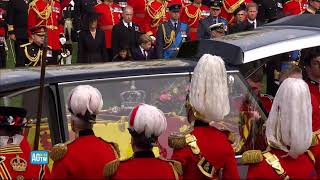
58	151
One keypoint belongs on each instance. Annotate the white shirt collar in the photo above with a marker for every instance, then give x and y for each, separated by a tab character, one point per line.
126	24
143	51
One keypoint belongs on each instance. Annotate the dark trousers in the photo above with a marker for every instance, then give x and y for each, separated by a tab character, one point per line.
3	56
19	57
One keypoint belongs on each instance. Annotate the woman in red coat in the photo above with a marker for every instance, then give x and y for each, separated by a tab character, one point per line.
289	133
207	153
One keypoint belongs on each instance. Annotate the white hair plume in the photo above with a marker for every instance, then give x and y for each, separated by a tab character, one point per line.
150	120
83	98
209	88
289	125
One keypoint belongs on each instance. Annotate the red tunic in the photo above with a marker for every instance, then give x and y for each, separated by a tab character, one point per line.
192	14
229	6
144	168
139	10
37	16
300	168
23	151
110	16
294	7
85	159
314	88
218	152
155	15
266	101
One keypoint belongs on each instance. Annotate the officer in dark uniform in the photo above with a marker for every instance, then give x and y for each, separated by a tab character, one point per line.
217	30
32	53
203	30
18	26
81	10
3	24
171	34
313	7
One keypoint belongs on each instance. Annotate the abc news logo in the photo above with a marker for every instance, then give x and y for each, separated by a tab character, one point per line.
39	157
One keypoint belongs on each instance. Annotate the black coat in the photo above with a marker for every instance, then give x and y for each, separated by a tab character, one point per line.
91	50
137	54
18	17
123	37
240	27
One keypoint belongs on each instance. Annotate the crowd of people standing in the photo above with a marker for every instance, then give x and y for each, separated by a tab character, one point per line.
119	25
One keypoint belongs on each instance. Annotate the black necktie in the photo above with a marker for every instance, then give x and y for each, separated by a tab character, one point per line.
145	54
175	26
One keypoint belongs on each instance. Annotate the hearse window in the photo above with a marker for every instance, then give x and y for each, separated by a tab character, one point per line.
168	93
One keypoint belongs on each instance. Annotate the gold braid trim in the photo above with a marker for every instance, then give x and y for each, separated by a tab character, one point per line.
35	59
251	156
157	15
233	7
45	14
311	156
168	41
111	168
194	16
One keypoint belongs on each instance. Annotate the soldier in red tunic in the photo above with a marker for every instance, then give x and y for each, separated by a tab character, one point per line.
192	14
48	13
111	14
206	151
289	133
72	160
293	7
146	124
15	149
229	6
155	15
139	9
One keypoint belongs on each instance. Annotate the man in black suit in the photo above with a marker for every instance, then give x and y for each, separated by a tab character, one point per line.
126	33
145	50
18	26
252	12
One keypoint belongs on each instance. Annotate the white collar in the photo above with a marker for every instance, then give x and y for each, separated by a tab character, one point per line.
143	51
126	24
255	21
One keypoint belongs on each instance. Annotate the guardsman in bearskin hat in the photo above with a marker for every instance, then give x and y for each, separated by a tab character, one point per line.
32	53
72	160
155	15
192	14
171	34
206	151
204	32
313	7
14	147
146	124
293	7
289	134
111	14
48	13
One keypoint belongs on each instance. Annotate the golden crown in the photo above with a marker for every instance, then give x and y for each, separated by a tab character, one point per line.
18	164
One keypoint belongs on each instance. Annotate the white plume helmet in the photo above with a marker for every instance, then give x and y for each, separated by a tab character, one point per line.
83	98
289	126
148	119
209	88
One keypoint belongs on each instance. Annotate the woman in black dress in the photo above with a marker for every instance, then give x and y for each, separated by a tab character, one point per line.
91	45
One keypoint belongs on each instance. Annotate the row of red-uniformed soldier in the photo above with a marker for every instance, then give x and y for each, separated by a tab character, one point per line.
203	152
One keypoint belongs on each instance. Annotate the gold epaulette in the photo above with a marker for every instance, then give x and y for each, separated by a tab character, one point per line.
311	156
32	3
232	137
24	45
114	145
176	141
58	151
315	137
111	168
251	156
